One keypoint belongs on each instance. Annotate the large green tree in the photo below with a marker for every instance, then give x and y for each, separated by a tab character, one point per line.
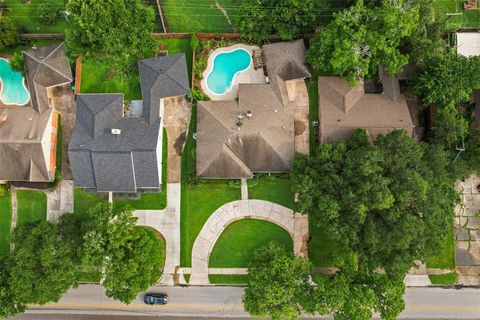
262	19
386	205
360	39
128	257
41	268
118	31
10	304
448	79
278	284
8	32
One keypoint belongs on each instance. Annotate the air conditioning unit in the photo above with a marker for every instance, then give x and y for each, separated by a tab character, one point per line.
116	131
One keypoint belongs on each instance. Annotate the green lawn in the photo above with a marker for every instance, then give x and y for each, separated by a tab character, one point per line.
228	279
241	238
31	206
444	279
199	15
5	223
274	188
321	248
84	201
312	87
153	201
446	258
26	15
461	18
175	46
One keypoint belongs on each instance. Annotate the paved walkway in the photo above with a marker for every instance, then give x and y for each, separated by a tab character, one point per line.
244	188
295	224
59	200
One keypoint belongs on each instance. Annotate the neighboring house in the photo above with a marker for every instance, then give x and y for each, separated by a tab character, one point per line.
343	108
28	134
468	43
256	132
111	152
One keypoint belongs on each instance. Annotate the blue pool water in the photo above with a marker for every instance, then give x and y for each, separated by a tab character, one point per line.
225	66
13	91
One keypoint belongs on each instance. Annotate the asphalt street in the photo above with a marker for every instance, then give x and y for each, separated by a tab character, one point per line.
90	303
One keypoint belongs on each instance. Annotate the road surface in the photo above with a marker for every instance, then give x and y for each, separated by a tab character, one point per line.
223	302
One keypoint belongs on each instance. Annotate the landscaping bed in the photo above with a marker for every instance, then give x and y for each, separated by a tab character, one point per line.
31	206
235	246
5	222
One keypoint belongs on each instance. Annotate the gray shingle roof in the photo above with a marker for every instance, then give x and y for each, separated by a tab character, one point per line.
46	67
285	61
162	77
109	162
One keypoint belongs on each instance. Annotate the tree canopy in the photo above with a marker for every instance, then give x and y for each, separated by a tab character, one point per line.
119	32
128	257
360	39
8	32
448	79
386	205
261	19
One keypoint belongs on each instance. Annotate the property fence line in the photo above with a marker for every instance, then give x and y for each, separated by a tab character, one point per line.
78	74
160	12
42	36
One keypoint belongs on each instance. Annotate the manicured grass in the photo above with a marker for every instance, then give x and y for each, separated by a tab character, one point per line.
95	79
274	188
153	201
89	276
446	258
5	223
31	206
200	15
84	201
444	279
462	19
228	279
27	15
312	87
321	248
199	202
235	247
175	46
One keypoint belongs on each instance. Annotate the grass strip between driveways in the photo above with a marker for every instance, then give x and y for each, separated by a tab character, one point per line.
444	279
31	206
228	279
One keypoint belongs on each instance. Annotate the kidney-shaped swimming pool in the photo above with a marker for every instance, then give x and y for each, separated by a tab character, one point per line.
225	66
13	90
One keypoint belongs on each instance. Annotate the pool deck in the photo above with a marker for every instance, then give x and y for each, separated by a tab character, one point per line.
249	75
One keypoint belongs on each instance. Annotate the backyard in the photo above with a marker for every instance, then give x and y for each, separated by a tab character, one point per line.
456	16
31	206
27	16
200	15
5	222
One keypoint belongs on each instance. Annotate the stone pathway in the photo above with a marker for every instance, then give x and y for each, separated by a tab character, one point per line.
244	188
167	222
295	224
467	232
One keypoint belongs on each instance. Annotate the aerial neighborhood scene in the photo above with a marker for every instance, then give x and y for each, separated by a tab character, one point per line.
274	159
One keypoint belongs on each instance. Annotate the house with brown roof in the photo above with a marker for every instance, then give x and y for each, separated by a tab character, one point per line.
28	134
343	108
256	132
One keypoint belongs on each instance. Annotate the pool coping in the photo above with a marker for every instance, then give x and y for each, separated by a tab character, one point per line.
210	64
24	85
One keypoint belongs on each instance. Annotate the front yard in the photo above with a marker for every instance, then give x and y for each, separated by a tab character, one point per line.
273	188
235	246
31	206
446	257
5	222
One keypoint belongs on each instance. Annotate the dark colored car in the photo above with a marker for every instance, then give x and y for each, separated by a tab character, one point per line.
155	298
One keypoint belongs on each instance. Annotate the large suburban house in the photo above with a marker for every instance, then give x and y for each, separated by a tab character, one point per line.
254	133
115	151
344	108
28	134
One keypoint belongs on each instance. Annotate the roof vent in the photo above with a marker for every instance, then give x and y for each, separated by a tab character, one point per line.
116	131
249	114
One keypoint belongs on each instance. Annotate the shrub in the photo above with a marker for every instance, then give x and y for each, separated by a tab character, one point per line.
3	189
48	13
17	62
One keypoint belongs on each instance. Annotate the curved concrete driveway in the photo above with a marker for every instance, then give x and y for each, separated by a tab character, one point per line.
295	224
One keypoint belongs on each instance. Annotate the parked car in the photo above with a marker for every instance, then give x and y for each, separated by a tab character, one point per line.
155	298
